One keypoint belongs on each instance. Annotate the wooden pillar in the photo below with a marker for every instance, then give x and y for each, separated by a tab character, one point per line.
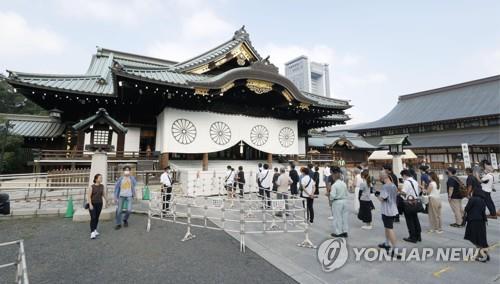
164	160
270	160
120	145
204	163
80	141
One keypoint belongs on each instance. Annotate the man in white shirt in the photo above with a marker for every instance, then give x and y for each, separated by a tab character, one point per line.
410	188
487	185
265	180
166	188
326	177
307	185
284	181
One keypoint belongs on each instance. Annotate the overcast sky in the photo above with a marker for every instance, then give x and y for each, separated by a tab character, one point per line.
377	50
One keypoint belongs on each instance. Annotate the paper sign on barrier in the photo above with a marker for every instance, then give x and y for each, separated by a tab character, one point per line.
278	204
217	202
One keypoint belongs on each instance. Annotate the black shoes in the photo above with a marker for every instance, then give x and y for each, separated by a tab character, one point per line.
384	246
410	240
118	227
125	224
343	235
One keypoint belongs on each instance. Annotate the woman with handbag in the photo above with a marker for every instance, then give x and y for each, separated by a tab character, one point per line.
412	205
95	196
434	204
365	201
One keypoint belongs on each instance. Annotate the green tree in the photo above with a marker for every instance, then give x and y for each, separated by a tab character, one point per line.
13	102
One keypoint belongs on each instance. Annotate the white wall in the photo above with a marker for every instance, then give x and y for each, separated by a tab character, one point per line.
302	146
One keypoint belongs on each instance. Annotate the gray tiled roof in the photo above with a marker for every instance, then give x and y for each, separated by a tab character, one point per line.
357	141
101	116
470	99
92	84
40	129
220	51
322	100
165	75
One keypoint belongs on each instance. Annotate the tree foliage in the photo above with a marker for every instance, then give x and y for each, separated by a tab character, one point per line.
12	102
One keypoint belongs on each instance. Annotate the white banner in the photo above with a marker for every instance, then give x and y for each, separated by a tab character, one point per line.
182	131
493	159
465	154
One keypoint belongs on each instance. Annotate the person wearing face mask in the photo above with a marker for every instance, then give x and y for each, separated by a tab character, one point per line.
124	191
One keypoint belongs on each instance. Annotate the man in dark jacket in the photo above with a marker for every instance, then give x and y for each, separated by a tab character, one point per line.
295	179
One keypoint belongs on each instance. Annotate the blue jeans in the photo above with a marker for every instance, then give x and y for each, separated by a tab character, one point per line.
119	209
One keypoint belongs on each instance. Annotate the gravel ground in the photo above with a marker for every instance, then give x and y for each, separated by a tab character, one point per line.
60	251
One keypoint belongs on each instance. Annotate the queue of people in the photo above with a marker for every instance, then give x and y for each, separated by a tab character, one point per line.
404	196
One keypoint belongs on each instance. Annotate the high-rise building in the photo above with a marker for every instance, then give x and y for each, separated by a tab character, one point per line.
309	76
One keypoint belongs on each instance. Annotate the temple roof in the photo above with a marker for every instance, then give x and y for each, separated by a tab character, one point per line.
37	126
470	99
101	117
240	37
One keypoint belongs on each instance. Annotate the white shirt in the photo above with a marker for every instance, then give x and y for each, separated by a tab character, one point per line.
166	179
488	186
434	191
326	172
266	178
357	180
408	189
229	179
308	189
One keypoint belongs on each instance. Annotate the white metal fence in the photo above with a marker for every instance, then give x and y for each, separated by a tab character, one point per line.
19	262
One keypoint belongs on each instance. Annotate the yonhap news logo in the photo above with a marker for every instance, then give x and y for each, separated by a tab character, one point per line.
333	254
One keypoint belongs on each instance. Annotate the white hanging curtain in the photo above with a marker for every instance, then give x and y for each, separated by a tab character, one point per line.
182	131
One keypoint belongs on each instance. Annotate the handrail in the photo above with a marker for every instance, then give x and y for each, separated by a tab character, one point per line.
20	262
83	155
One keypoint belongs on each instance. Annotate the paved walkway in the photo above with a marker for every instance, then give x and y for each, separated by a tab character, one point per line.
302	264
60	251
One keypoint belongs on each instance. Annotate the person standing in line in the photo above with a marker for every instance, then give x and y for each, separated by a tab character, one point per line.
365	201
284	181
425	179
266	182
327	178
229	182
295	180
387	196
166	188
95	196
356	184
275	178
338	199
487	187
434	203
475	230
472	183
240	177
307	186
410	190
124	191
388	170
257	175
316	180
455	197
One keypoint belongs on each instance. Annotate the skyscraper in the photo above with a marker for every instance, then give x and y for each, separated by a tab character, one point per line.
309	76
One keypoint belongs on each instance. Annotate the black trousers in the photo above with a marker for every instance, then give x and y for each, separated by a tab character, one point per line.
94	216
267	192
489	203
413	225
309	206
167	195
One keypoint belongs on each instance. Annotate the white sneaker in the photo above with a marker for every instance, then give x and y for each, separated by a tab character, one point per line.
430	231
92	235
367	227
330	218
439	231
96	233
